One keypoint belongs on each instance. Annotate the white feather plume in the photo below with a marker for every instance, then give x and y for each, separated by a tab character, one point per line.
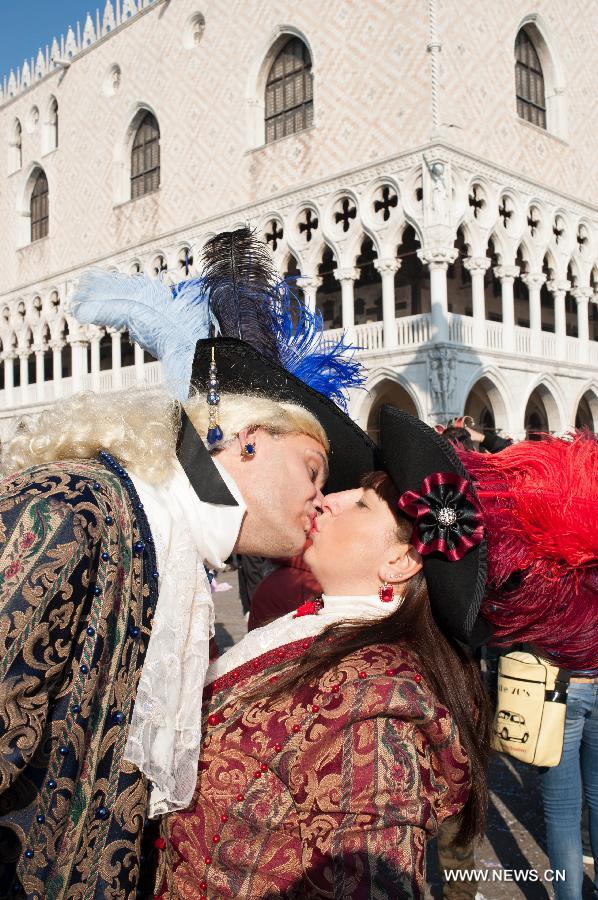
167	327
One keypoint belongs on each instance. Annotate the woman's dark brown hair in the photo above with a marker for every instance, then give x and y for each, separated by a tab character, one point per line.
446	665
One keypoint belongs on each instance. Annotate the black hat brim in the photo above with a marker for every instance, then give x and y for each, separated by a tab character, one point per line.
412	450
242	370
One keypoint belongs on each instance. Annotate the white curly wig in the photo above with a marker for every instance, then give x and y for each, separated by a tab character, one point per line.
140	428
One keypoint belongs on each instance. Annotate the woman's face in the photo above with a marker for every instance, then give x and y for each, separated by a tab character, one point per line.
354	543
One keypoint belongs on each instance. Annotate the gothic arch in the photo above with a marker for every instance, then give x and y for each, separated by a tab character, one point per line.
385	386
585	410
24	203
552	70
486	393
545	398
256	87
122	150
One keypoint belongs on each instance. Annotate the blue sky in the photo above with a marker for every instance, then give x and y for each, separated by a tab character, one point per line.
28	25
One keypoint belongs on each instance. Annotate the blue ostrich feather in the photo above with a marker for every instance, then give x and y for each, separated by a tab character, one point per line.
165	322
327	366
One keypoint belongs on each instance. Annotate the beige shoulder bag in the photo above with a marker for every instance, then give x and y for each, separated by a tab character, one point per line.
529	723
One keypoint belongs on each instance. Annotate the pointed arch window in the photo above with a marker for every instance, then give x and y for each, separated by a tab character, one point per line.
39	208
529	81
145	157
289	92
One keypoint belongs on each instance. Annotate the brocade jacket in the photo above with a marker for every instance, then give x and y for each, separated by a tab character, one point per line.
75	615
327	791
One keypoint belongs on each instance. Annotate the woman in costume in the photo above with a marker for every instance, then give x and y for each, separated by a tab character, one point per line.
540	507
341	735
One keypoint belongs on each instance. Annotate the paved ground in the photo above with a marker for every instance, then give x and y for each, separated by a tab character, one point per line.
515	839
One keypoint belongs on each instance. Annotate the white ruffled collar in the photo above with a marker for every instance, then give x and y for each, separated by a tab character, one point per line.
290	628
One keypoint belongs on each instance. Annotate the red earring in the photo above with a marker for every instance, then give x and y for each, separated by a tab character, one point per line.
386	592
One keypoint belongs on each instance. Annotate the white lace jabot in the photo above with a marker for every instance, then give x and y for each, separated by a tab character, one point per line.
287	629
164	736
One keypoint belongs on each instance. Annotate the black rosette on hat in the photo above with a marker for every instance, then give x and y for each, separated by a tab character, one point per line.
437	494
447	514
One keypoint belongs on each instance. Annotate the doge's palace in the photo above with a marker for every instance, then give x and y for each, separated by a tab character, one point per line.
425	170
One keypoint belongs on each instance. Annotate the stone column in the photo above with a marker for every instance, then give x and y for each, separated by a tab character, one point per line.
309	286
39	371
95	361
346	277
559	291
79	360
9	379
477	266
582	298
387	269
139	365
438	260
24	372
534	282
117	373
57	367
507	275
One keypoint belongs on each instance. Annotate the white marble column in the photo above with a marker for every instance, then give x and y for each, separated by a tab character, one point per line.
95	361
57	367
9	380
438	260
24	375
477	266
507	275
79	363
117	374
309	286
388	269
582	298
139	365
534	282
559	289
39	372
346	278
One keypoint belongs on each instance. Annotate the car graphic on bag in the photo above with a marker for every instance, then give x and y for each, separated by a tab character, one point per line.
511	726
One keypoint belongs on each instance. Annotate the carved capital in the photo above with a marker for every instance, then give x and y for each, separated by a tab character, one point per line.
506	273
534	279
558	287
347	274
477	264
582	294
387	266
438	257
307	281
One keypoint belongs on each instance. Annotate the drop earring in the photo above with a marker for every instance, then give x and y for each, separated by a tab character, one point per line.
386	592
214	430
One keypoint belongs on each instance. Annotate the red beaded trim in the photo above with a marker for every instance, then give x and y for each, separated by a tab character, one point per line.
258	665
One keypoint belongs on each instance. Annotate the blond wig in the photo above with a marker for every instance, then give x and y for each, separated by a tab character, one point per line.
140	427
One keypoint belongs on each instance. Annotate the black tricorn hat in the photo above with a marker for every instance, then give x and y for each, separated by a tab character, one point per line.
413	453
244	370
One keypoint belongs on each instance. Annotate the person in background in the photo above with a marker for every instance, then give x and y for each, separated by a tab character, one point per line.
289	584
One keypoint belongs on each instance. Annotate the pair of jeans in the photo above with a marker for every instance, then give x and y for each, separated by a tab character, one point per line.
562	789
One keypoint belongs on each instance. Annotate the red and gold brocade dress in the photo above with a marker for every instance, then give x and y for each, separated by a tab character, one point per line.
331	791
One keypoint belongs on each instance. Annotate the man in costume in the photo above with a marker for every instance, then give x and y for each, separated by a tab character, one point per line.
105	607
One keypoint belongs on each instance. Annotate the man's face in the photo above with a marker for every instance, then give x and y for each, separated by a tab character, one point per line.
282	487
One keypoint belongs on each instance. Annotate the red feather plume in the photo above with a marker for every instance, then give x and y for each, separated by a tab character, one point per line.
540	505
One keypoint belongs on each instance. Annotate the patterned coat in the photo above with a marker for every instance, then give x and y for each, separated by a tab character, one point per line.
75	614
329	792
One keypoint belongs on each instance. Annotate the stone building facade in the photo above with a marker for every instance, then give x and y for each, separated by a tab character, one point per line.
428	179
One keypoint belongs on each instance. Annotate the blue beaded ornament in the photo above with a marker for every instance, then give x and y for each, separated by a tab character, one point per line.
213	397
